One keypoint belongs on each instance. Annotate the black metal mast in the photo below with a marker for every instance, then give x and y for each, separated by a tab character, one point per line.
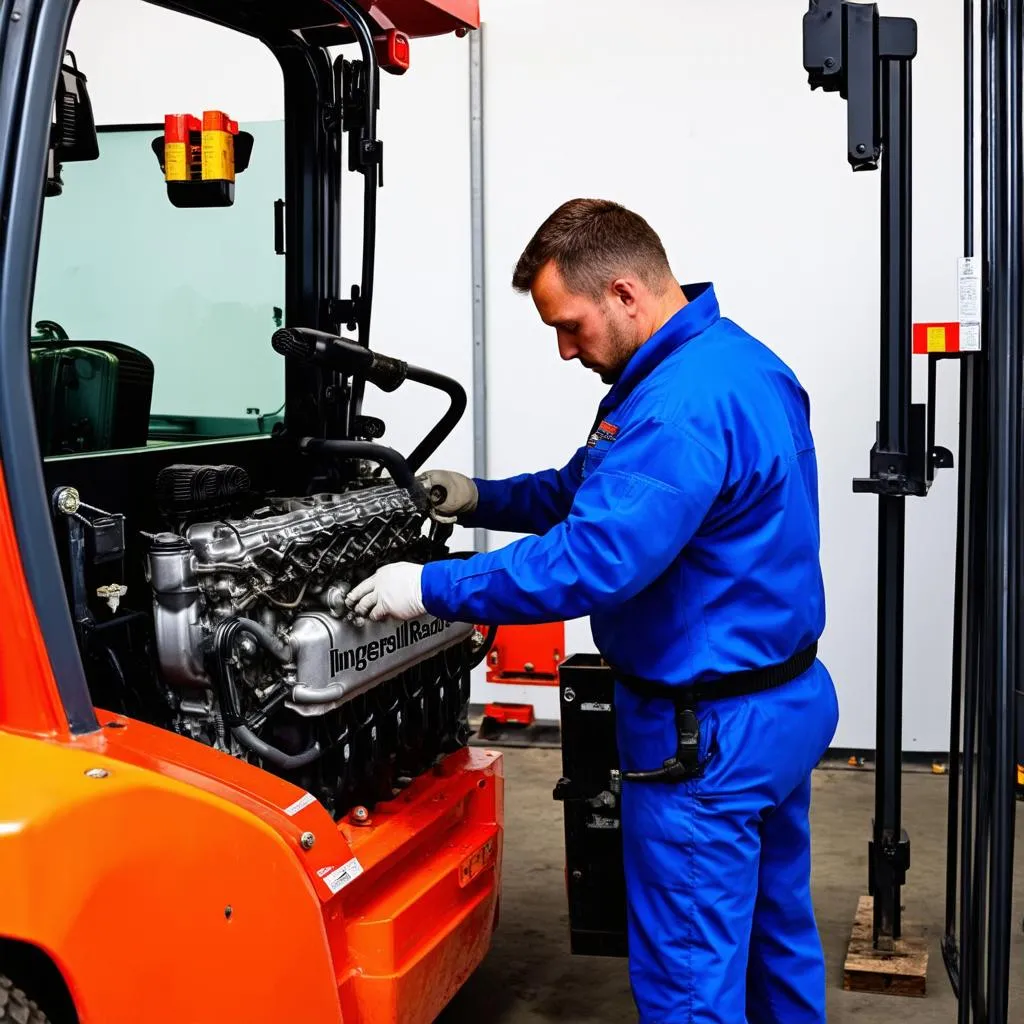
850	49
966	597
986	697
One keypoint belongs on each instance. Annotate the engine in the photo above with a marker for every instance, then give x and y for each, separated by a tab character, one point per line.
254	643
246	644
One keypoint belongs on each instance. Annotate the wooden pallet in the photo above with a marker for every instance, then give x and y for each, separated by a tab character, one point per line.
902	971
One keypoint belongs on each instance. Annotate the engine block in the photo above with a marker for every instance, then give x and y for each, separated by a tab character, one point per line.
254	642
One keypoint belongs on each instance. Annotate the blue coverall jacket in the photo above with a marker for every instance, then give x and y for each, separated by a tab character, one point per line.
686	527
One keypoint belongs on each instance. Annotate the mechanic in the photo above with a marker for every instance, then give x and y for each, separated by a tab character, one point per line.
686	527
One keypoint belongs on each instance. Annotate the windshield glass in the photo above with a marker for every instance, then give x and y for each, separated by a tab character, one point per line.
152	323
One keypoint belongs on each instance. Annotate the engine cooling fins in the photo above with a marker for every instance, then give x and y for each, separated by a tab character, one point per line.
185	490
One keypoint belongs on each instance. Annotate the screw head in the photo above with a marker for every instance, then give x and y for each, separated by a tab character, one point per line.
829	63
306	840
360	815
577	875
228	912
570	695
68	501
97	773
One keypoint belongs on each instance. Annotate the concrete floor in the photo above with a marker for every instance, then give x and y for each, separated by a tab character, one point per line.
530	978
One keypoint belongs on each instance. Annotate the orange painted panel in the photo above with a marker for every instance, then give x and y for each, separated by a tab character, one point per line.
158	902
29	699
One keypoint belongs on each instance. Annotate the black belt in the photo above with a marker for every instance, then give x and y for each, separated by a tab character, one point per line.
686	763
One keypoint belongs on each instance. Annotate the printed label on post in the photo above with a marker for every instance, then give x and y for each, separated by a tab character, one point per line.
969	303
591	705
345	875
970	338
969	281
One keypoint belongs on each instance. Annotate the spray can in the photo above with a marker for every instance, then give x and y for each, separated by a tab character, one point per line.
219	133
181	133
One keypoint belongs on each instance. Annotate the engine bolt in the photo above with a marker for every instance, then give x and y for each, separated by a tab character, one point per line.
97	773
68	501
307	839
360	815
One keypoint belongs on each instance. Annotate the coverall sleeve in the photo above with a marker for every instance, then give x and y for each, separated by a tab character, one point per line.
628	522
529	503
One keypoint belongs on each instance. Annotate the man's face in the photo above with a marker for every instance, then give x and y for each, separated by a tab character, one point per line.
602	334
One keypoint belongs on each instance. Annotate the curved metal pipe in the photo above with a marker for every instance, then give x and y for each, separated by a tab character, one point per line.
303	694
447	423
401	472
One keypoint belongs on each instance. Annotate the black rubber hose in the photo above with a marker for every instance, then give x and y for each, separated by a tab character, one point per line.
227	692
401	471
271	644
278	758
223	639
447	423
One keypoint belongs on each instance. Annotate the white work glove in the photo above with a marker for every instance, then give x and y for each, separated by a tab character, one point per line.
460	494
393	591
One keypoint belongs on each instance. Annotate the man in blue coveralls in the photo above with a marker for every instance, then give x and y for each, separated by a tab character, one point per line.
686	527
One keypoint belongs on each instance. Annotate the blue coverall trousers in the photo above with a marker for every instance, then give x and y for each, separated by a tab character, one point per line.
718	869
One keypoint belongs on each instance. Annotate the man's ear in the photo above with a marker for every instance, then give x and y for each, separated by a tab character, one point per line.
625	291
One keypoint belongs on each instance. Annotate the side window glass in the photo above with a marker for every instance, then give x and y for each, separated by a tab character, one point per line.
151	322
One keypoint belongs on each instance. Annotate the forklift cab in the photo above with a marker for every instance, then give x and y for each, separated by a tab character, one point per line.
188	487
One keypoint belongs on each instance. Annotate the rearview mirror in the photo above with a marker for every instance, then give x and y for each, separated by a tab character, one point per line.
73	133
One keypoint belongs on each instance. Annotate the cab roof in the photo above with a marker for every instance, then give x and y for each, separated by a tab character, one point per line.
319	22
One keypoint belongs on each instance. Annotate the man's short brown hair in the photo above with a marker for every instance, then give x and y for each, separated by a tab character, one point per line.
592	242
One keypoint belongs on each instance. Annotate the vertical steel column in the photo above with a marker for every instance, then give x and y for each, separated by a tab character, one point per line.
1017	227
888	840
1006	382
973	997
476	153
963	662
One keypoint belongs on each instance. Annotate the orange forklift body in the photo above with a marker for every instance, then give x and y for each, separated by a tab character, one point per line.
130	852
133	844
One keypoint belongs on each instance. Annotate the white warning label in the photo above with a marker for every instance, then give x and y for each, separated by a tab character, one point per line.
969	303
340	877
304	801
969	291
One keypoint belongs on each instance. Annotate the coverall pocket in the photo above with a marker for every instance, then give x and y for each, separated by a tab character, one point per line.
594	457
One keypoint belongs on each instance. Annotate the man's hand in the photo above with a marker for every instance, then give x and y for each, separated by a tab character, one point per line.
451	494
393	591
